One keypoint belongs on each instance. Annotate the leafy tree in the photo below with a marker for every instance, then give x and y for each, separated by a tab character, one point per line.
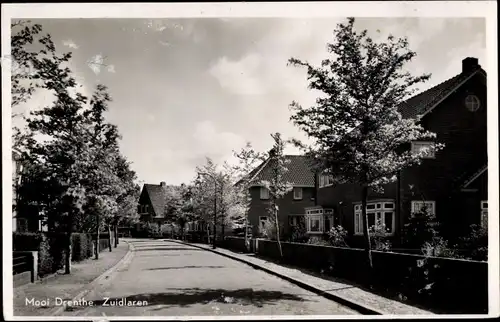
248	160
278	186
358	132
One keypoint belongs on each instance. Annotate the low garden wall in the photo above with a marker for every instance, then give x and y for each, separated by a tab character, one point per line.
444	284
51	248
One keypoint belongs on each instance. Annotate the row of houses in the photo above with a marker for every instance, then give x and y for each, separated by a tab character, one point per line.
452	183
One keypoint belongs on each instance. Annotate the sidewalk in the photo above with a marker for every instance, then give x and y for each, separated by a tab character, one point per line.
328	286
65	286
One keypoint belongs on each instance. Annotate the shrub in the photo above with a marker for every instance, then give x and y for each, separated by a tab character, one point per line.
337	236
298	233
315	240
438	247
82	246
26	241
378	237
421	228
475	244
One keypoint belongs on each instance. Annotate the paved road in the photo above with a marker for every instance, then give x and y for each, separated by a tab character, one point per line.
180	280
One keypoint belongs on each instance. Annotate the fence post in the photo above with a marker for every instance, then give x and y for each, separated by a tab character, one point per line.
34	266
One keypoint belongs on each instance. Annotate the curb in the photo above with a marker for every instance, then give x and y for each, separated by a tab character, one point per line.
90	286
361	308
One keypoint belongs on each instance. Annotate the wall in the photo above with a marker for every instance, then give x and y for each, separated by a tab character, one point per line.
287	206
456	286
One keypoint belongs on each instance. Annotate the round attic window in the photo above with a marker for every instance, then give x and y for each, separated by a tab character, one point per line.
472	103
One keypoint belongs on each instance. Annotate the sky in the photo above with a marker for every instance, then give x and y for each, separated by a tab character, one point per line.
187	89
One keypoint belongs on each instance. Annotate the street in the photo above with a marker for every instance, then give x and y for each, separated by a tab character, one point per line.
170	279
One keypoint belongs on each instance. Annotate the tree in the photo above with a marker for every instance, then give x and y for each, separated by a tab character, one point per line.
248	160
278	186
358	132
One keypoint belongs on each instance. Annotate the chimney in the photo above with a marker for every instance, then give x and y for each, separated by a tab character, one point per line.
163	184
470	64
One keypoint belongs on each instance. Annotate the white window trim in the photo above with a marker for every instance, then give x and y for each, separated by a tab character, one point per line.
383	209
432	152
325	180
414	204
308	223
484	213
295	190
264	196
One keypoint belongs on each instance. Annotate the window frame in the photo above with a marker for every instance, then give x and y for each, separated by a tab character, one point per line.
325	180
432	151
484	213
379	211
297	189
310	218
416	202
467	102
266	194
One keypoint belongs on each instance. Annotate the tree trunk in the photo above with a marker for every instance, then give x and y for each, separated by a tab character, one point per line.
278	234
109	238
67	260
366	233
247	244
97	248
116	234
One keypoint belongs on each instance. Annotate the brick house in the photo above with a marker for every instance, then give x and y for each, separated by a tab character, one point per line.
291	207
152	202
25	212
452	182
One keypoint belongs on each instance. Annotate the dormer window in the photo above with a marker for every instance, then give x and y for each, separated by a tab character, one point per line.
325	180
472	103
428	147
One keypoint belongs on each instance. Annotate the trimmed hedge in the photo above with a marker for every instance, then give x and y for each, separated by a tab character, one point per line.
51	248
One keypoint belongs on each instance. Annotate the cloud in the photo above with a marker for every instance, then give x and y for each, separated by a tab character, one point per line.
212	143
96	63
111	69
70	43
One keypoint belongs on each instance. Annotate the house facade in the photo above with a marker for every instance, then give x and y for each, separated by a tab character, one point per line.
291	208
452	183
25	212
152	201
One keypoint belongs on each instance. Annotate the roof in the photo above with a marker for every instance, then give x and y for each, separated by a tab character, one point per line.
424	102
300	172
472	177
157	195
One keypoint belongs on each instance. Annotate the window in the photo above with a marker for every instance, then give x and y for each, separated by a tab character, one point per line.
264	193
294	220
262	221
472	103
419	205
314	223
297	193
22	224
325	180
146	208
484	214
428	147
328	223
378	213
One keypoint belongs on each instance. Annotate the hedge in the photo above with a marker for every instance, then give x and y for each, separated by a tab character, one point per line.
51	248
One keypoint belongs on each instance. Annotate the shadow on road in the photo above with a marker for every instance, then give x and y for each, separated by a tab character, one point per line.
190	296
143	249
181	267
